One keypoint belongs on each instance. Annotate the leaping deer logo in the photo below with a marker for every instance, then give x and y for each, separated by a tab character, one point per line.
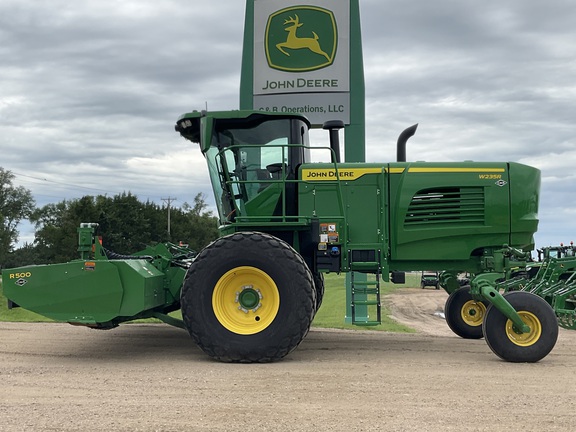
295	42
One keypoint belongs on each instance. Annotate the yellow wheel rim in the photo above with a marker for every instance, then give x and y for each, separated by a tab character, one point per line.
525	339
473	313
245	300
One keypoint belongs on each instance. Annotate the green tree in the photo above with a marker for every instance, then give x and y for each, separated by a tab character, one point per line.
126	225
194	224
24	255
56	224
16	204
51	240
121	221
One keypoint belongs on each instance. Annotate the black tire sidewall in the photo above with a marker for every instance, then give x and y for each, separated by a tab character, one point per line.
453	314
288	271
319	288
494	328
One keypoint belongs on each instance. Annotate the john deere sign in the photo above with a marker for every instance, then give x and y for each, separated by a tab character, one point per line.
301	58
305	56
301	38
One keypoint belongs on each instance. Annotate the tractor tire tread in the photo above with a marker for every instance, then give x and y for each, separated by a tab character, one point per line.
274	249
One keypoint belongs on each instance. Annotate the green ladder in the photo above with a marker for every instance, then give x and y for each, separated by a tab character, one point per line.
369	293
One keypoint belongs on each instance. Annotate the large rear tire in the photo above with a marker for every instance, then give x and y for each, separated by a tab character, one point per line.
528	347
248	297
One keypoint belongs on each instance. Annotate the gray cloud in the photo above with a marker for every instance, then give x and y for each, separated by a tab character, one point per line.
90	91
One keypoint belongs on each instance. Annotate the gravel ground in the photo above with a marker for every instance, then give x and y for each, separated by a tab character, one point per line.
56	377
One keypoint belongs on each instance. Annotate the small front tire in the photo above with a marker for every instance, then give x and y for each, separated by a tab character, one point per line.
513	346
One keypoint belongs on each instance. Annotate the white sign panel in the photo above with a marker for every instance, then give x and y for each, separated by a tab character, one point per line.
302	58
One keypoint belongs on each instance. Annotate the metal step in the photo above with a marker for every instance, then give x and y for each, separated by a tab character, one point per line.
366	293
365	266
367	323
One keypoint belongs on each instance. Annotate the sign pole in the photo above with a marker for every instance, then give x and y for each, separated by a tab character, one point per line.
305	56
354	135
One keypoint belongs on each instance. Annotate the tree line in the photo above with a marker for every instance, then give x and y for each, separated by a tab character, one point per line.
126	224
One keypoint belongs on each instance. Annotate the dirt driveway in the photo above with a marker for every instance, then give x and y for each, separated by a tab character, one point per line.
152	378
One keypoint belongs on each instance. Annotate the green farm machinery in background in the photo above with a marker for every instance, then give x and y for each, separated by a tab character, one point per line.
251	295
552	277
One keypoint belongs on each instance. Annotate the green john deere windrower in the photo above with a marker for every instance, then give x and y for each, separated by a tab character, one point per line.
251	295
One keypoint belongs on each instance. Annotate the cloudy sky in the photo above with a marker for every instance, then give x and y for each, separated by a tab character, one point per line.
90	91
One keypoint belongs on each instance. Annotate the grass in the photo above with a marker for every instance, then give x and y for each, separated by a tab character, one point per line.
333	309
330	315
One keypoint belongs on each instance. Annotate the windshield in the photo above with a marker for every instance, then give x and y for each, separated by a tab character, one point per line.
247	158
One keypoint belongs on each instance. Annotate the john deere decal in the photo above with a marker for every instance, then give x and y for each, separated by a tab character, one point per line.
301	38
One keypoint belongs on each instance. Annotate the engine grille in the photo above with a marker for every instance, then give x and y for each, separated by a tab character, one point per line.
444	207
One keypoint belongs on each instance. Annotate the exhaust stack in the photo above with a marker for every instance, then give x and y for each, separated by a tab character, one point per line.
334	126
401	144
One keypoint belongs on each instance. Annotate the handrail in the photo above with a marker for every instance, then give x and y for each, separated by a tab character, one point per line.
283	218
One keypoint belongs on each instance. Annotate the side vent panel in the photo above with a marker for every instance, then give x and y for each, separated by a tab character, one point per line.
446	207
